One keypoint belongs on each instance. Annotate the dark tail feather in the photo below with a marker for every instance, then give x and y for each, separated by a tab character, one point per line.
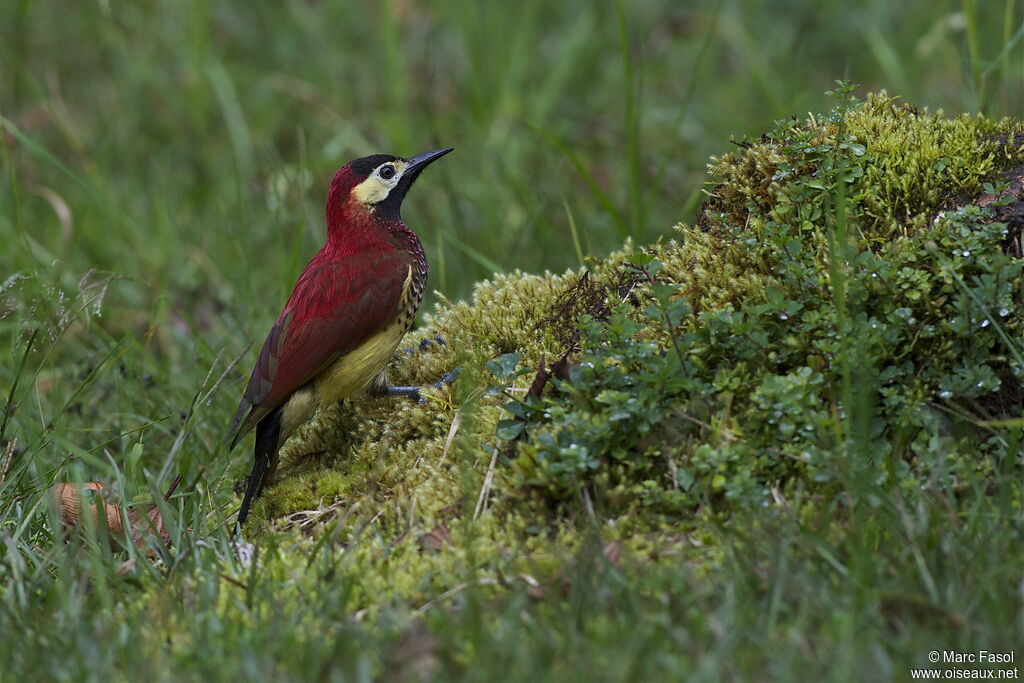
268	431
235	431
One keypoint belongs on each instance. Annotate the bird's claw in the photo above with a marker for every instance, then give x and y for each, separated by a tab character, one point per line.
447	378
414	392
425	344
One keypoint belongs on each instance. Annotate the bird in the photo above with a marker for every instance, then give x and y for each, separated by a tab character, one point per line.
346	316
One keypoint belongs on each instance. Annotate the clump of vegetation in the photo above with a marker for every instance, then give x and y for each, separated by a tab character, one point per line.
800	342
761	320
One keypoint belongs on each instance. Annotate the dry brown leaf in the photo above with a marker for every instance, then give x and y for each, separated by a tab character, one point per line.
437	539
144	521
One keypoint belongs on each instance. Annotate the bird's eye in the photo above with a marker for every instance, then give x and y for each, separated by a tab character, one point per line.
387	172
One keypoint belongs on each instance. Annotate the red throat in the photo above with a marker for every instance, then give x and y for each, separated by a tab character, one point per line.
351	226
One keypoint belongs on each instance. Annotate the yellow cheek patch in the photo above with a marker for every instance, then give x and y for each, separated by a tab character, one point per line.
375	189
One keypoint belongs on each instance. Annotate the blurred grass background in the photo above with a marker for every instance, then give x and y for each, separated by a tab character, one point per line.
203	135
164	171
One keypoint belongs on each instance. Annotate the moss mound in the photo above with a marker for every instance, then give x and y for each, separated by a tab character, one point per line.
849	305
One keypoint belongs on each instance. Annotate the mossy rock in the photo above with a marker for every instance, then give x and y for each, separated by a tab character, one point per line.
850	303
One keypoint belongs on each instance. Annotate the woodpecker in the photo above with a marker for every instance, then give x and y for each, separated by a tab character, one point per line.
349	310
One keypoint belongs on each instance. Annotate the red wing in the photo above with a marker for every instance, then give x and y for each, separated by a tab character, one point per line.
334	307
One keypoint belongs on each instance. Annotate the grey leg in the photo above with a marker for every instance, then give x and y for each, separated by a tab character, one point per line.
414	392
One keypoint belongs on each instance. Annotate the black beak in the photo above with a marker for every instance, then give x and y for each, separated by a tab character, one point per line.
392	204
420	162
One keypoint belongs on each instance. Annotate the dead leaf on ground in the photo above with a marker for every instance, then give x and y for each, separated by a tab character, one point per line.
436	539
77	502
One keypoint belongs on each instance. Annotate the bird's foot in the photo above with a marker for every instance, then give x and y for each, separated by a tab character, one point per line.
425	344
414	392
407	392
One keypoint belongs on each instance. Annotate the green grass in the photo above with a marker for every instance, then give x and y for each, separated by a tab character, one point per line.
164	170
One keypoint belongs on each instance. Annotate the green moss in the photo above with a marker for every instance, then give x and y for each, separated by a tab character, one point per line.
712	372
905	163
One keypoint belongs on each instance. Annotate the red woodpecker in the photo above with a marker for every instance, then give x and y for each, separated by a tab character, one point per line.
349	310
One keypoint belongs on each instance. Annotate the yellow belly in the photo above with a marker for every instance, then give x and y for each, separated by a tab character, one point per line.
354	372
348	376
